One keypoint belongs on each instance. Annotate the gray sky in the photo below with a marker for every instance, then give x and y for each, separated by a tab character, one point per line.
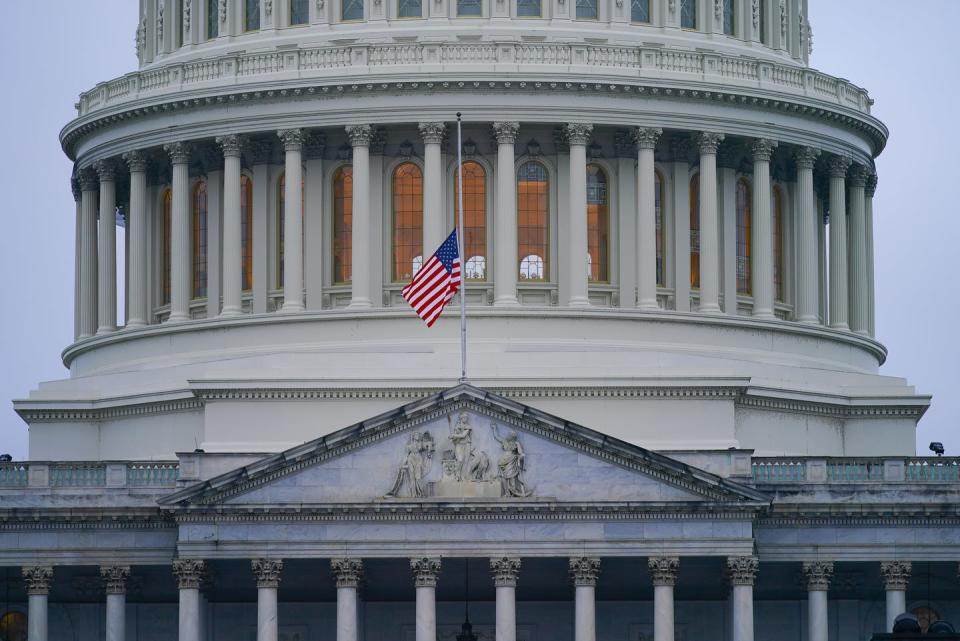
862	40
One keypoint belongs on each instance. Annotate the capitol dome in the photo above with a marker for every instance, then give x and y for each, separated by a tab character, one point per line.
652	196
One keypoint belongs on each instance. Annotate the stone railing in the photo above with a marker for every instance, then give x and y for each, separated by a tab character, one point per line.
150	474
774	470
376	63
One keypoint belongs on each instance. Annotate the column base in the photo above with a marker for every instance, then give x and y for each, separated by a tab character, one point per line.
580	301
105	330
809	320
841	326
231	311
360	303
292	307
648	306
764	314
712	309
177	318
135	324
506	301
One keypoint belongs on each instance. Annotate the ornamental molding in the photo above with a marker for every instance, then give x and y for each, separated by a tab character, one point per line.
756	14
742	570
179	152
348	572
761	149
505	571
805	157
838	166
647	137
106	170
115	578
222	10
896	574
663	570
89	180
136	160
189	573
871	187
708	142
432	133
818	574
360	135
783	21
505	133
140	38
160	8
187	10
231	144
136	408
425	572
859	174
267	572
578	133
584	571
292	139
37	578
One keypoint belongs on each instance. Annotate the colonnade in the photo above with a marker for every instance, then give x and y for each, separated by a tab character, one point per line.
850	240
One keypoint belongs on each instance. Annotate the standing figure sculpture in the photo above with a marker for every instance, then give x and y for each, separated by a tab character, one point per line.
414	468
461	435
511	464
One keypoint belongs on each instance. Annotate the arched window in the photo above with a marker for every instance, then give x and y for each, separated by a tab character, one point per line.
474	218
533	217
695	232
246	231
640	11
688	14
251	15
281	211
407	221
598	225
529	9
744	229
299	12
658	209
342	224
213	19
200	239
776	208
165	248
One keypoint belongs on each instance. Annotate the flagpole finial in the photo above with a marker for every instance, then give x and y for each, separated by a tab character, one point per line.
459	115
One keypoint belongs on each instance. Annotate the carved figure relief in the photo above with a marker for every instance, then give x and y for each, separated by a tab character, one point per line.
268	8
756	14
410	481
140	41
783	19
512	464
187	9
223	11
159	23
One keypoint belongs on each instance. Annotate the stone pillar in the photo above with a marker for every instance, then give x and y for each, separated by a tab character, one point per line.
232	146
762	232
807	227
138	312
663	570
505	248
189	573
680	148
433	223
742	570
818	575
115	578
584	572
505	572
89	184
180	233
857	252
425	573
360	136
78	226
267	572
293	220
107	249
838	242
313	231
709	224
348	573
38	578
896	576
869	191
578	135
646	139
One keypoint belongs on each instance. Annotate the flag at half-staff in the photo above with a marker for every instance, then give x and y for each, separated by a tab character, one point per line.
435	284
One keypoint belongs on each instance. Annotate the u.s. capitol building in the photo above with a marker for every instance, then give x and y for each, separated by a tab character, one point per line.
674	426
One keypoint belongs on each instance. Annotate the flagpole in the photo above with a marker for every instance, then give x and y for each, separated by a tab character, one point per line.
463	258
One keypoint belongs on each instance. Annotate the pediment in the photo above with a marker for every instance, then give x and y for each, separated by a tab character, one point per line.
464	445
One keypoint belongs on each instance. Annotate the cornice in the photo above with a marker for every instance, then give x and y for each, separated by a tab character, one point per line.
34	412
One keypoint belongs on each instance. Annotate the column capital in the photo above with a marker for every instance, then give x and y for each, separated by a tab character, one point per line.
292	139
647	137
115	578
348	572
578	133
709	141
189	573
505	132
75	188
89	179
805	157
106	169
179	152
425	572
762	149
818	574
859	174
432	132
663	569
505	571
267	572
231	144
37	578
136	160
360	135
742	570
871	186
838	166
896	574
584	570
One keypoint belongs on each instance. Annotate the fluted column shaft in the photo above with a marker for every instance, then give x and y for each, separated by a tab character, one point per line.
505	574
584	572
78	226
709	224
425	573
818	575
138	311
896	576
762	233
838	243
433	227
871	189
505	265
107	250
742	571
89	184
857	247
646	139
232	226
267	572
37	578
189	572
578	135
807	224
347	573
180	234
360	136
293	220
116	583
663	570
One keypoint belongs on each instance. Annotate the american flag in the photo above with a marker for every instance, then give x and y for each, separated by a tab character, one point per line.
436	282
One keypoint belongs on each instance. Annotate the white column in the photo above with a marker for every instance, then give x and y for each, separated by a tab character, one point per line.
663	570
115	577
267	572
727	163
433	223
347	573
189	572
818	575
89	184
262	151
214	169
681	223
709	224
807	229
425	572
762	232
107	249
578	135
138	312
584	572
505	572
180	233
896	577
38	578
646	139
232	146
857	252
869	192
293	220
78	227
505	249
742	570
838	243
314	255
360	136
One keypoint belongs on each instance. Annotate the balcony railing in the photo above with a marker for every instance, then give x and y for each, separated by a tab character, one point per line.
95	474
773	470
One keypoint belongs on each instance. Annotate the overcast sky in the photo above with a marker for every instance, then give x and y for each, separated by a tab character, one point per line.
901	52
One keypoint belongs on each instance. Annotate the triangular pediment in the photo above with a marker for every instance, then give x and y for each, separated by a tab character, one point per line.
464	445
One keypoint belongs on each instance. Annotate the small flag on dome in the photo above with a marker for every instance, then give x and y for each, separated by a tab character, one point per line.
435	284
